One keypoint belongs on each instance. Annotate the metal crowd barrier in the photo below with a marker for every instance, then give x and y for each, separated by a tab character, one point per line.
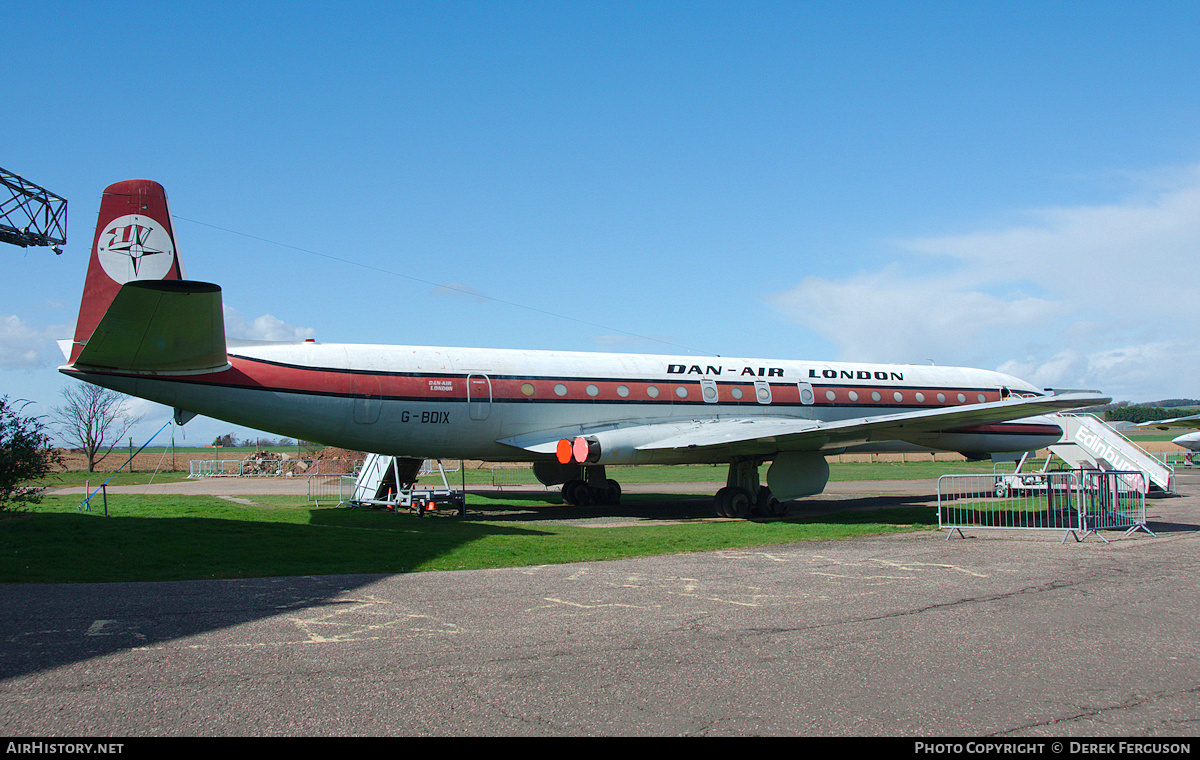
1078	502
330	488
506	474
270	468
1183	459
435	467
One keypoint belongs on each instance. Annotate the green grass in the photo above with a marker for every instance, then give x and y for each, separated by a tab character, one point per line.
164	537
158	538
625	474
94	479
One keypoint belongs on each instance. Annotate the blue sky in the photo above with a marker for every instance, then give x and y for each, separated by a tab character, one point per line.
1013	186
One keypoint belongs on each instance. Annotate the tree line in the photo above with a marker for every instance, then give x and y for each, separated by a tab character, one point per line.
1137	414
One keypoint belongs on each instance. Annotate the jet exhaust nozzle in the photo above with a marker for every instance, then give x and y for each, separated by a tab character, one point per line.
581	450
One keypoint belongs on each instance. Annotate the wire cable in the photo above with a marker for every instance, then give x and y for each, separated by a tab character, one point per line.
465	291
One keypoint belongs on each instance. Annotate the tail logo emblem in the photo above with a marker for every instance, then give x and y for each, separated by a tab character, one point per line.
135	247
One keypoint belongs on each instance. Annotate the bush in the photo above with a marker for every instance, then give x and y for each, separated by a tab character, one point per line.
25	455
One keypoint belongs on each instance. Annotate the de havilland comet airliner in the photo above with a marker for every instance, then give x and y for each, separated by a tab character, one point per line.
146	330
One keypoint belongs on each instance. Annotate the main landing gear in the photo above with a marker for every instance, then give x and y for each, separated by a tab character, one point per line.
744	496
593	489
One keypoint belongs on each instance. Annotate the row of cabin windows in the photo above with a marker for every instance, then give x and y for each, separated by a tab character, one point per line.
764	394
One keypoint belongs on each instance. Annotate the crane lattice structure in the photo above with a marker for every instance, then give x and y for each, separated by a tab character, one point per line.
31	215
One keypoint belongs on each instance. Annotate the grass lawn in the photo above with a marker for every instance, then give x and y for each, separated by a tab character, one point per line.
161	537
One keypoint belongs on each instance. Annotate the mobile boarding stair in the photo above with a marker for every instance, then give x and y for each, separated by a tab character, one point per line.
1089	443
390	482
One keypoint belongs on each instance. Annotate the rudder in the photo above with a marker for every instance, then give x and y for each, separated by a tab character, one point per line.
135	240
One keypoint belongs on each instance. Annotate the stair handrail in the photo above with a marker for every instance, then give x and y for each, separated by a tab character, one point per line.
1124	437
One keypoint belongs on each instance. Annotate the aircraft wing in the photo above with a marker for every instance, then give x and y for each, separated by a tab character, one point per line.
759	435
1190	421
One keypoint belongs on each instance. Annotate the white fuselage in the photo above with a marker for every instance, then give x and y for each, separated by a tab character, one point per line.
466	403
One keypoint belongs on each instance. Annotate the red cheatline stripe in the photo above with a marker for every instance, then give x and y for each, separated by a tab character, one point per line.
259	374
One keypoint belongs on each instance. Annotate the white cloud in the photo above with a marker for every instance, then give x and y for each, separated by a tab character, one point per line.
265	327
1089	296
23	346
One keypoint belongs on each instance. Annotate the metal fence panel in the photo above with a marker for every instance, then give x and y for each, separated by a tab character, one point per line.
507	474
1033	501
1078	502
330	488
270	468
1113	501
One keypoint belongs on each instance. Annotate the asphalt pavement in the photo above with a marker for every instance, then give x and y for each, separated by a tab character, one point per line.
999	634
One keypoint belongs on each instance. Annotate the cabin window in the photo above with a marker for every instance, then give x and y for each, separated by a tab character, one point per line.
941	398
962	398
652	391
982	398
875	396
920	397
560	390
592	390
830	396
681	391
622	391
853	395
898	396
527	389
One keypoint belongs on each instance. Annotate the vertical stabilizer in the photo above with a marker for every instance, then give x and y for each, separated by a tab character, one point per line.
135	240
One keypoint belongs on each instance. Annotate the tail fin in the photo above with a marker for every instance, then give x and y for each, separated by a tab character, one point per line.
135	240
131	318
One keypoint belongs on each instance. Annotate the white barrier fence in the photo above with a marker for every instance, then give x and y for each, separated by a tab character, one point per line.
336	489
1183	459
436	467
505	474
1078	502
270	468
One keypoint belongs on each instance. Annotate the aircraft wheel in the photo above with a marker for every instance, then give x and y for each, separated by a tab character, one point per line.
721	502
732	501
739	503
767	504
580	494
612	492
568	491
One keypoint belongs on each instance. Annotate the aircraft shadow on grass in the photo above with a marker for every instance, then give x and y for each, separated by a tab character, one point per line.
48	625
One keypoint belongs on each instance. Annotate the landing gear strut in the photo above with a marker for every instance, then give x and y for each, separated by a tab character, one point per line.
744	496
593	489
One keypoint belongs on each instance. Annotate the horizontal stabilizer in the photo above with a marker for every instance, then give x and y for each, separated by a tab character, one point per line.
159	327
